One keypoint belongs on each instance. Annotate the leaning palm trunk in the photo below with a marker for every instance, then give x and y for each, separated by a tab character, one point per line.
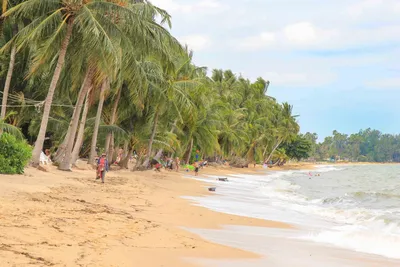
92	155
8	82
189	151
158	155
107	145
273	150
111	149
60	153
79	138
126	144
65	164
11	65
124	162
110	136
49	99
153	134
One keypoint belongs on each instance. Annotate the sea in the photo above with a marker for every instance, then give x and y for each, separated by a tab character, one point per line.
343	216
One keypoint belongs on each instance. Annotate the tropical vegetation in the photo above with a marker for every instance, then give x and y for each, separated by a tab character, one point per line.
15	154
87	76
365	146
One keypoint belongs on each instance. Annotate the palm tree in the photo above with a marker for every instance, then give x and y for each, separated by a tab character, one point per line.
9	74
169	92
86	85
287	127
71	20
8	128
129	84
104	86
80	134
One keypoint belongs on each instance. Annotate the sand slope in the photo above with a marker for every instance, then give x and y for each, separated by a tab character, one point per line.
69	219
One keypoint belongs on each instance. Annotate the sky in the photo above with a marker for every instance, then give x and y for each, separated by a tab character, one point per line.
336	61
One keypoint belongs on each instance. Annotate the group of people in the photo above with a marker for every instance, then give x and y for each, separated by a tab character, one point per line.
170	164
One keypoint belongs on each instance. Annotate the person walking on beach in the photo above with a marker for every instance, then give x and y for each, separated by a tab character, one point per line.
178	163
196	168
102	167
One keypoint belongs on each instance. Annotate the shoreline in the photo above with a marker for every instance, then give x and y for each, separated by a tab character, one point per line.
281	240
66	218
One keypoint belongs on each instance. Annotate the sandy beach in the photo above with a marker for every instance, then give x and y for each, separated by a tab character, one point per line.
68	219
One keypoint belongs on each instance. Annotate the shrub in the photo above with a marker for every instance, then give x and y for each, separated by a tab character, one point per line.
14	154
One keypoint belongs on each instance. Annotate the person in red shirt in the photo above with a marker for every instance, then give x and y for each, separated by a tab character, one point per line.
102	167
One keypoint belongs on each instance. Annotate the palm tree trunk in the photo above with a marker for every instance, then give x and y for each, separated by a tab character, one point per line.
107	145
110	136
113	151
65	164
8	82
79	138
49	99
60	153
126	144
158	155
11	65
189	152
92	155
273	150
265	151
153	134
124	162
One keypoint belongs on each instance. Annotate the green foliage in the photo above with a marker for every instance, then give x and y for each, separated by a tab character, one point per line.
365	146
8	128
164	96
299	148
14	154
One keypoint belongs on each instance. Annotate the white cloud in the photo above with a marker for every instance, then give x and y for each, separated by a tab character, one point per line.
176	6
301	33
370	8
277	40
209	4
196	42
305	35
256	42
393	83
299	79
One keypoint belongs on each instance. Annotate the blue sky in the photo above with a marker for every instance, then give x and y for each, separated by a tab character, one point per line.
337	62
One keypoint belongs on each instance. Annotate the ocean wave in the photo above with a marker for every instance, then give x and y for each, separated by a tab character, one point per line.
375	237
328	168
359	219
363	195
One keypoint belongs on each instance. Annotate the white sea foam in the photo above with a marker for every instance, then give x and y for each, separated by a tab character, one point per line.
340	220
376	238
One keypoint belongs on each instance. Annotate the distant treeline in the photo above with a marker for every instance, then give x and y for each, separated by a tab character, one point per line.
365	146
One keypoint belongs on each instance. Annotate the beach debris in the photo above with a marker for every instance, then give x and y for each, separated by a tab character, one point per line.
212	189
222	179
